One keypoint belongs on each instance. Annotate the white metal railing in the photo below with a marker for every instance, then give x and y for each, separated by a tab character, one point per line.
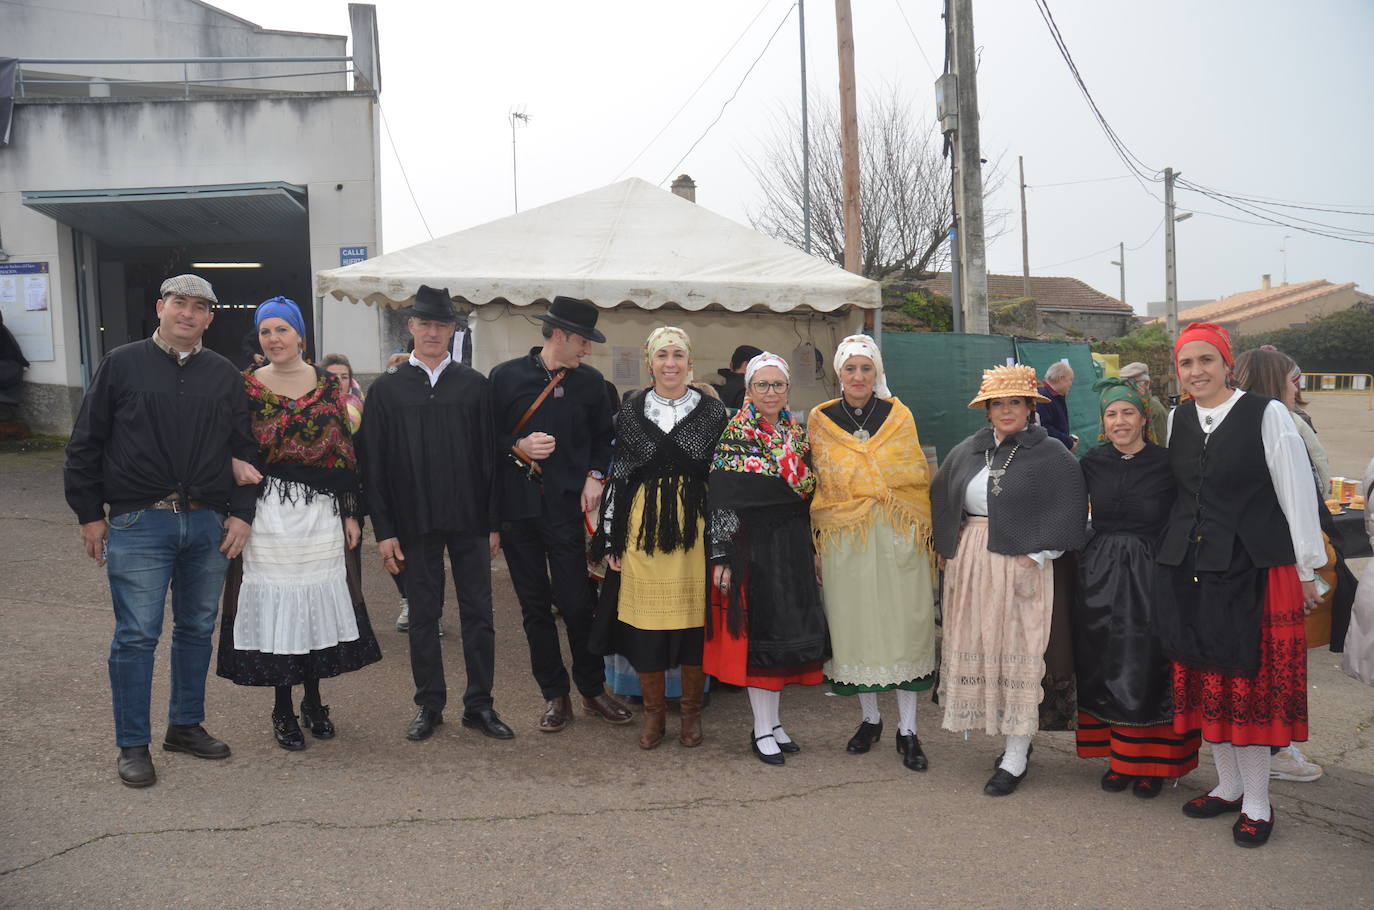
185	62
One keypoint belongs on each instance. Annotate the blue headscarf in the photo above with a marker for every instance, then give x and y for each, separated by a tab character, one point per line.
281	308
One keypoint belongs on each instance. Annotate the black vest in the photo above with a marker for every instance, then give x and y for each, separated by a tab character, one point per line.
1224	492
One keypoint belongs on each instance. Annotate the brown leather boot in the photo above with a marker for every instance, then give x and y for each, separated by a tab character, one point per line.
693	688
655	709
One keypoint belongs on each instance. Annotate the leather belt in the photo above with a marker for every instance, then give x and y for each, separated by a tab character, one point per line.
179	505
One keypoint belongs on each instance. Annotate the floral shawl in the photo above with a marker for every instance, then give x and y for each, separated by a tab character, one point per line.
752	445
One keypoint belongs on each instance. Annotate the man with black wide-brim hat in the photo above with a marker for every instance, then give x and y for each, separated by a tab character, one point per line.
553	443
428	461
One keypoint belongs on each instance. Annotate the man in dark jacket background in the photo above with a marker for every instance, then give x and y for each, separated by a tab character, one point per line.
1054	414
731	387
153	443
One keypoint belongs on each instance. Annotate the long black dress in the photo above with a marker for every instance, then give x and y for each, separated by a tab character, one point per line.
1123	675
1125	694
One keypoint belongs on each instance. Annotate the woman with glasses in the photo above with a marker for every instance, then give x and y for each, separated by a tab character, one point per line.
871	517
766	624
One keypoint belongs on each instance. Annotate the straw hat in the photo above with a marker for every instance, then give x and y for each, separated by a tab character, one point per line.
1017	381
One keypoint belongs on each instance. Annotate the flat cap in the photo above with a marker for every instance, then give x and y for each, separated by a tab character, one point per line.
189	286
1134	371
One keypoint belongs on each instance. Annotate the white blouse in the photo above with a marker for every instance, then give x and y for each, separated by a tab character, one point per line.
976	503
1290	471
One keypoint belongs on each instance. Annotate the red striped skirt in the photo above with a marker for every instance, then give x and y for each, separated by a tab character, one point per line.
1155	751
1269	708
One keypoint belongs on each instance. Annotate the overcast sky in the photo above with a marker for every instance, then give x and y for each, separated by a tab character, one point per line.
1259	97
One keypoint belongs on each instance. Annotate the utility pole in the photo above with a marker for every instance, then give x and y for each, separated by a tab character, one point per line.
1121	261
806	133
970	172
514	173
1025	240
1170	273
849	144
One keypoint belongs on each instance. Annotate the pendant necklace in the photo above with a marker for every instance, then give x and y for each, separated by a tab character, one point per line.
860	433
558	389
996	475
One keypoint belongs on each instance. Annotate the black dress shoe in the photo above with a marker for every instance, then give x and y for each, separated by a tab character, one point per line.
997	762
193	740
1004	783
864	737
1210	806
422	727
489	723
778	759
1114	782
1249	832
136	767
913	757
315	718
287	732
791	747
1147	787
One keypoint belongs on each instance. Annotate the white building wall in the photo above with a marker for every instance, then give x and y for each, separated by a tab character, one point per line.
320	141
70	29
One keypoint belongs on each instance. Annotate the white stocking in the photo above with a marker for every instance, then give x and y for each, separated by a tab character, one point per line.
1016	756
763	704
1229	786
906	711
779	733
868	702
1253	762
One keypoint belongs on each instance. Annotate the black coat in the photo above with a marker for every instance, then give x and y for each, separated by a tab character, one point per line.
730	388
579	420
427	453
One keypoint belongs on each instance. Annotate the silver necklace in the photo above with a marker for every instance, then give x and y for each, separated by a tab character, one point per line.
558	389
860	433
996	475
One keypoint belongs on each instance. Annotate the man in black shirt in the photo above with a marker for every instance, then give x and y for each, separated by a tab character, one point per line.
427	456
550	471
153	442
731	387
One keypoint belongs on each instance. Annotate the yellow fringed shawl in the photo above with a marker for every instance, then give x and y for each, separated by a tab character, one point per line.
856	480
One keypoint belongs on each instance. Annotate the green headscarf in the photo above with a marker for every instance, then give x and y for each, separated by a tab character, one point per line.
1114	388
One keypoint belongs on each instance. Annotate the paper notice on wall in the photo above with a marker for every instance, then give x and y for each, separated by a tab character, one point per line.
35	293
9	289
625	365
457	351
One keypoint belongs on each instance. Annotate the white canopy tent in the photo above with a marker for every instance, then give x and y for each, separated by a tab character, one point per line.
643	253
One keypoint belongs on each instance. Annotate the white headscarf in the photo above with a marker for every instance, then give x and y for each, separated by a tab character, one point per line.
760	361
863	346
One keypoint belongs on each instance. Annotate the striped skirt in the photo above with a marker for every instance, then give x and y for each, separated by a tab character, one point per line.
1155	751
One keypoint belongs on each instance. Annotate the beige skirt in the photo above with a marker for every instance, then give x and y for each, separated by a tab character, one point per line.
996	627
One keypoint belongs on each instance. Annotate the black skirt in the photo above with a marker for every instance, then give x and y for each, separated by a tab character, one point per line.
1123	675
256	668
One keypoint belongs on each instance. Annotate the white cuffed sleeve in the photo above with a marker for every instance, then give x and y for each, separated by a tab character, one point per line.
1291	473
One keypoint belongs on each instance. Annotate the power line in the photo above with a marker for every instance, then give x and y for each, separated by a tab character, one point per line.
1109	249
787	15
404	176
1138	168
898	4
702	85
1262	211
1285	224
1042	186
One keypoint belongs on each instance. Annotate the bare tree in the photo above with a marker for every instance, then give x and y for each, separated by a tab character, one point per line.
904	190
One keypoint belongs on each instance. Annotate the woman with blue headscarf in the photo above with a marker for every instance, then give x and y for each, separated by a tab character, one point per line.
293	614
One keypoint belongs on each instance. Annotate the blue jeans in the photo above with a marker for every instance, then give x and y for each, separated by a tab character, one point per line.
148	552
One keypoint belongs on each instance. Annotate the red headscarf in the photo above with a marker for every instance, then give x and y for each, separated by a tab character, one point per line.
1209	332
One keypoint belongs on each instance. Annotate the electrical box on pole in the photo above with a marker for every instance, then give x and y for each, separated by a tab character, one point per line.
947	102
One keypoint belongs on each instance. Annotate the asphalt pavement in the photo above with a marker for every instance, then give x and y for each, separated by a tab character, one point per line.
584	818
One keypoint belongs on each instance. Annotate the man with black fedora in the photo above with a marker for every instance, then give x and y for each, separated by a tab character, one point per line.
553	441
428	473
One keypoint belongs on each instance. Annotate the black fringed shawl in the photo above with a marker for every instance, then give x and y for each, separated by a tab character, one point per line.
670	467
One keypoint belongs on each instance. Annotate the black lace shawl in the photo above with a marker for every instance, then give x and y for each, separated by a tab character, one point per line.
670	467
